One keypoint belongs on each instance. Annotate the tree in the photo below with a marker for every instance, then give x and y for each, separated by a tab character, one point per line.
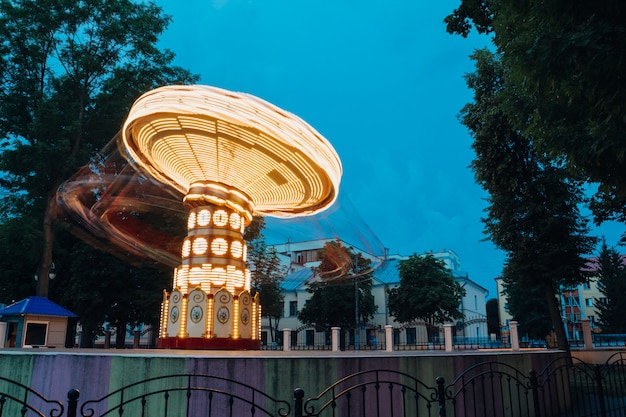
17	280
611	275
533	213
69	72
570	58
332	303
118	294
528	307
268	275
427	292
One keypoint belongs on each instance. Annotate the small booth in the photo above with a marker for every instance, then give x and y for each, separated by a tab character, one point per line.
34	322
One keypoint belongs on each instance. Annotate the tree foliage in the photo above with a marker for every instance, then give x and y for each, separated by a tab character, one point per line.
268	275
569	57
611	275
533	213
117	293
332	303
527	306
69	71
427	292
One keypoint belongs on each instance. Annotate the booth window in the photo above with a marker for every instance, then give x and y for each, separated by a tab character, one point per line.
36	334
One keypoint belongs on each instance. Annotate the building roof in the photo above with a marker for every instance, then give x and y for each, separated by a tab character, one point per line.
386	273
296	279
36	305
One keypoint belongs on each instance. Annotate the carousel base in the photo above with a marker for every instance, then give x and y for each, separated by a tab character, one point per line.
216	343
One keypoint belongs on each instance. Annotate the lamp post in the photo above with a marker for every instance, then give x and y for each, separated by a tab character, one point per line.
356	301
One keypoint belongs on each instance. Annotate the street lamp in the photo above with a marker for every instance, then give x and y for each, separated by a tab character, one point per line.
356	300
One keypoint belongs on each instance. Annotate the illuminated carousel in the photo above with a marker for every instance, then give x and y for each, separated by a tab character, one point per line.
231	156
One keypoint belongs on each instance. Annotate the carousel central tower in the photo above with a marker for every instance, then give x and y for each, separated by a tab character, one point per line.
231	156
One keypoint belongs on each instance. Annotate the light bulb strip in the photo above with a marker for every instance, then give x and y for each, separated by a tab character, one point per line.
186	134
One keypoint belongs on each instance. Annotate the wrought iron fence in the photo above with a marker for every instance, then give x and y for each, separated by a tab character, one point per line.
19	399
565	387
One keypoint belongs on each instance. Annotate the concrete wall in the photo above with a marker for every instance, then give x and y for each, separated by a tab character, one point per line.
597	356
97	372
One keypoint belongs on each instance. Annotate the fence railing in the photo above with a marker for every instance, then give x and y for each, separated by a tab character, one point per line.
564	387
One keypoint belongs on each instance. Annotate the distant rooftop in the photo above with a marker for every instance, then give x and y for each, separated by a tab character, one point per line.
36	305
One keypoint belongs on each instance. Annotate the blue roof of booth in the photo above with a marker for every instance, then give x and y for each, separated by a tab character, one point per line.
36	305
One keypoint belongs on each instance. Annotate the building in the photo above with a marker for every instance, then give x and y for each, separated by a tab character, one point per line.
577	303
34	322
300	257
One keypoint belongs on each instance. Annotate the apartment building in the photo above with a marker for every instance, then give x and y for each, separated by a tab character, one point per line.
577	303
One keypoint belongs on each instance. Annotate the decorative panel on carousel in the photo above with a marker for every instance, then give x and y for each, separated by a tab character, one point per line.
245	315
223	314
173	315
196	318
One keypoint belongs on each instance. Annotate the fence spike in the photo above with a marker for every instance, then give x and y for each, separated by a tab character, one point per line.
298	396
441	395
72	402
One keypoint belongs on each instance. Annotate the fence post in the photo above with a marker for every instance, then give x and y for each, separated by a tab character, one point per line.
286	340
389	338
534	386
441	395
447	336
335	338
513	335
298	398
587	334
597	370
72	402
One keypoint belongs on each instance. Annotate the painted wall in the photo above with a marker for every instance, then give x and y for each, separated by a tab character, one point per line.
97	373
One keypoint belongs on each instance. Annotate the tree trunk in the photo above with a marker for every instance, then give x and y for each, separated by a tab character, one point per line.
120	336
45	263
557	320
87	336
269	318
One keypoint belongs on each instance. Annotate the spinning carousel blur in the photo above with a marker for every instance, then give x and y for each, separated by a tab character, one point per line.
226	156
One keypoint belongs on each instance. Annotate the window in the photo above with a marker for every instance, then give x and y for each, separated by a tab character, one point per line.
586	286
36	334
310	337
603	300
475	302
592	319
293	308
282	308
589	302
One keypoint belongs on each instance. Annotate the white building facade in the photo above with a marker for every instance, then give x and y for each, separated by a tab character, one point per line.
299	257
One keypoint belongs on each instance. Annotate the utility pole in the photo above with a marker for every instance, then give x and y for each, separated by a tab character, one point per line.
357	336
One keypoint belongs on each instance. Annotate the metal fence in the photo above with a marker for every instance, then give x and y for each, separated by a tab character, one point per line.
565	387
309	339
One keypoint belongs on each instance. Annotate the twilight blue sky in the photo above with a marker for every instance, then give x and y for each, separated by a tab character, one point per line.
383	81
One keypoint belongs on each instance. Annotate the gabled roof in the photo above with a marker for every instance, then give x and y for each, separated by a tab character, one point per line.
36	305
296	279
387	273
